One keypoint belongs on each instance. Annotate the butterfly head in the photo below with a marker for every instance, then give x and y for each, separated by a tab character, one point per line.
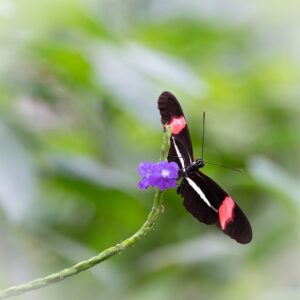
199	163
195	166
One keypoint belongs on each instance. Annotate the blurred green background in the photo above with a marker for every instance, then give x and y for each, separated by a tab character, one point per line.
79	81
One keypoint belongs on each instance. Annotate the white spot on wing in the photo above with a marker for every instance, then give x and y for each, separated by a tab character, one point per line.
178	154
196	188
190	158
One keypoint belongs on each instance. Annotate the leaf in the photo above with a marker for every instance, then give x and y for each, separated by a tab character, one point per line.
17	180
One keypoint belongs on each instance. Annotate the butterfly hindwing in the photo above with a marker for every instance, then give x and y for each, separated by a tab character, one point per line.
181	150
179	154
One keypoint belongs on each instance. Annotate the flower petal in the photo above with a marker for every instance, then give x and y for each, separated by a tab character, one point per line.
143	184
161	175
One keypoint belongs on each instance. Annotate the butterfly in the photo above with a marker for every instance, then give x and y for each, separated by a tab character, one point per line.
202	197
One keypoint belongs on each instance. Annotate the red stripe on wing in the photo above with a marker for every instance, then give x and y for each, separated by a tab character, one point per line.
177	123
226	212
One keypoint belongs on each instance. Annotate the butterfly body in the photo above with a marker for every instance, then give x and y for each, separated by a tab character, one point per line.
196	165
203	197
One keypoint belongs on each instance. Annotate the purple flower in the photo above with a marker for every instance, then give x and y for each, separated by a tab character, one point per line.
161	175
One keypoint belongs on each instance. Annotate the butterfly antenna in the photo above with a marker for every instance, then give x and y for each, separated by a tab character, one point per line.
226	167
203	133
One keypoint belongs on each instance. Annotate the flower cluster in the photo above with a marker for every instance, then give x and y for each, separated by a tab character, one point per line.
161	175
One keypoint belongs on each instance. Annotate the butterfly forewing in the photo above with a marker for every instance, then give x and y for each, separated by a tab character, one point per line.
196	194
219	206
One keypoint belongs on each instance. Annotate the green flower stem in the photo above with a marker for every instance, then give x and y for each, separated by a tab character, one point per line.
118	248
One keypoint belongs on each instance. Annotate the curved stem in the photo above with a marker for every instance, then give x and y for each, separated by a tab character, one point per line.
86	264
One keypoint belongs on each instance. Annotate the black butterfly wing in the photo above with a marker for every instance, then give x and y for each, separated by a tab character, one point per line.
195	202
181	150
239	227
210	204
